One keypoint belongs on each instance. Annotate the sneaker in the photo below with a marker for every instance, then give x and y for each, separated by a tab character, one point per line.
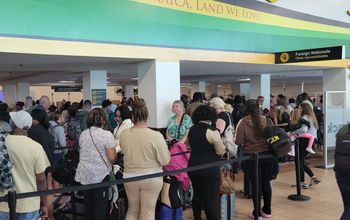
252	216
310	150
305	186
263	214
314	181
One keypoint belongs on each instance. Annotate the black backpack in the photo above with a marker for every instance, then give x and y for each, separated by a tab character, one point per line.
73	132
278	141
342	153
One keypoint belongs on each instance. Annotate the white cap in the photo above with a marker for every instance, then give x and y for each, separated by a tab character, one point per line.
22	119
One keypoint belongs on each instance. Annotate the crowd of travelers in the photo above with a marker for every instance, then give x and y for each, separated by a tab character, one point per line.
37	136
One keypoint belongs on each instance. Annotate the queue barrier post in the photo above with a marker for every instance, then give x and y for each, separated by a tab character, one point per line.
298	196
12	202
256	180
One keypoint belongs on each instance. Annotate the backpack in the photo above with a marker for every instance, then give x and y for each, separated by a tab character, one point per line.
73	133
6	181
228	138
237	115
52	132
278	141
342	153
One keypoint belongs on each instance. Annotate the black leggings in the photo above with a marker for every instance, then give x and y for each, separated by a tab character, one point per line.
95	203
264	186
205	196
303	142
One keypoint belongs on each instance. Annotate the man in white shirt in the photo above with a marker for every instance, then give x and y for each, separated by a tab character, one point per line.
28	172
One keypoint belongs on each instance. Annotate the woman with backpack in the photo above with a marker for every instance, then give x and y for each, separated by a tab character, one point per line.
249	132
57	131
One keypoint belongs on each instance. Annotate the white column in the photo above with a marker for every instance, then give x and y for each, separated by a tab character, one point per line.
260	85
201	86
9	94
244	89
95	86
129	91
22	91
159	86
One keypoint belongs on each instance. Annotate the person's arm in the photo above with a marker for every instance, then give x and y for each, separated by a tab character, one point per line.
188	124
304	128
184	138
110	147
220	124
214	138
42	186
240	133
161	151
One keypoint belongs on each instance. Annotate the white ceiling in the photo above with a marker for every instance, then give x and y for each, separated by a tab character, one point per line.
49	70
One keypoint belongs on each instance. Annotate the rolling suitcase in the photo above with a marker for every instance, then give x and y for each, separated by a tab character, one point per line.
163	212
227	206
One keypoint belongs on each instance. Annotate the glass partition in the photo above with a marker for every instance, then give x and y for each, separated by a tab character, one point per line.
336	114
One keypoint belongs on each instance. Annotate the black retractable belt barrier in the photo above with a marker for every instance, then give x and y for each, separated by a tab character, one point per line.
298	196
12	202
12	197
256	180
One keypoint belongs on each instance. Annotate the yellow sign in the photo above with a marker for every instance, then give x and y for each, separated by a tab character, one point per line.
284	57
233	12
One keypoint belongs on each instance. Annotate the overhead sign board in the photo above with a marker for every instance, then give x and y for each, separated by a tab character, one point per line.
318	54
67	89
98	96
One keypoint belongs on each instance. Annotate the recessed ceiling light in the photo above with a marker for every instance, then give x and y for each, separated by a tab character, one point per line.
245	79
66	81
135	78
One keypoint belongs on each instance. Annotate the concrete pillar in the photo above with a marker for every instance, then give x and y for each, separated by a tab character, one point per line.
244	89
22	91
260	85
129	91
9	94
159	86
95	86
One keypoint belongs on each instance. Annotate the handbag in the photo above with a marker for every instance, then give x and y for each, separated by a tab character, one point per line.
226	182
170	195
113	190
227	178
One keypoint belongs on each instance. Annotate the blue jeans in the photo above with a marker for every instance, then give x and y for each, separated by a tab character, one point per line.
21	216
343	180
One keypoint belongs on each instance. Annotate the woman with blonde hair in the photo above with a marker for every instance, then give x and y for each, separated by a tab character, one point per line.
145	152
223	120
309	126
179	124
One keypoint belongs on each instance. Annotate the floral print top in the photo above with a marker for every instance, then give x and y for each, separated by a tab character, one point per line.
172	127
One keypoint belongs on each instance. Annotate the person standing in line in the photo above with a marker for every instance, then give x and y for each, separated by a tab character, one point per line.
308	115
249	132
123	119
28	171
179	121
196	101
207	147
223	117
342	174
145	152
96	154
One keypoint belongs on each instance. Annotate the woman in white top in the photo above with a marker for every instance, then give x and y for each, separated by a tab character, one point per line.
123	118
97	152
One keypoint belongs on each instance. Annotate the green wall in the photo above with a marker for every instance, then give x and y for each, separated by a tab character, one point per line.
127	22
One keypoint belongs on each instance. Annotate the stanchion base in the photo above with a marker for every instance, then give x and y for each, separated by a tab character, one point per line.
297	197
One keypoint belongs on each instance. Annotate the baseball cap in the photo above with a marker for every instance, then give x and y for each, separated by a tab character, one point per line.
22	119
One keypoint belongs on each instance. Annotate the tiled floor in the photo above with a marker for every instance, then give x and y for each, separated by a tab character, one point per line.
325	202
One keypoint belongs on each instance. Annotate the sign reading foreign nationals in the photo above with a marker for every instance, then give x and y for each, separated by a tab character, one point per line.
318	54
98	96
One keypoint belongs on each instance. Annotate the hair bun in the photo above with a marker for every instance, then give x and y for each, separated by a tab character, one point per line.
139	103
